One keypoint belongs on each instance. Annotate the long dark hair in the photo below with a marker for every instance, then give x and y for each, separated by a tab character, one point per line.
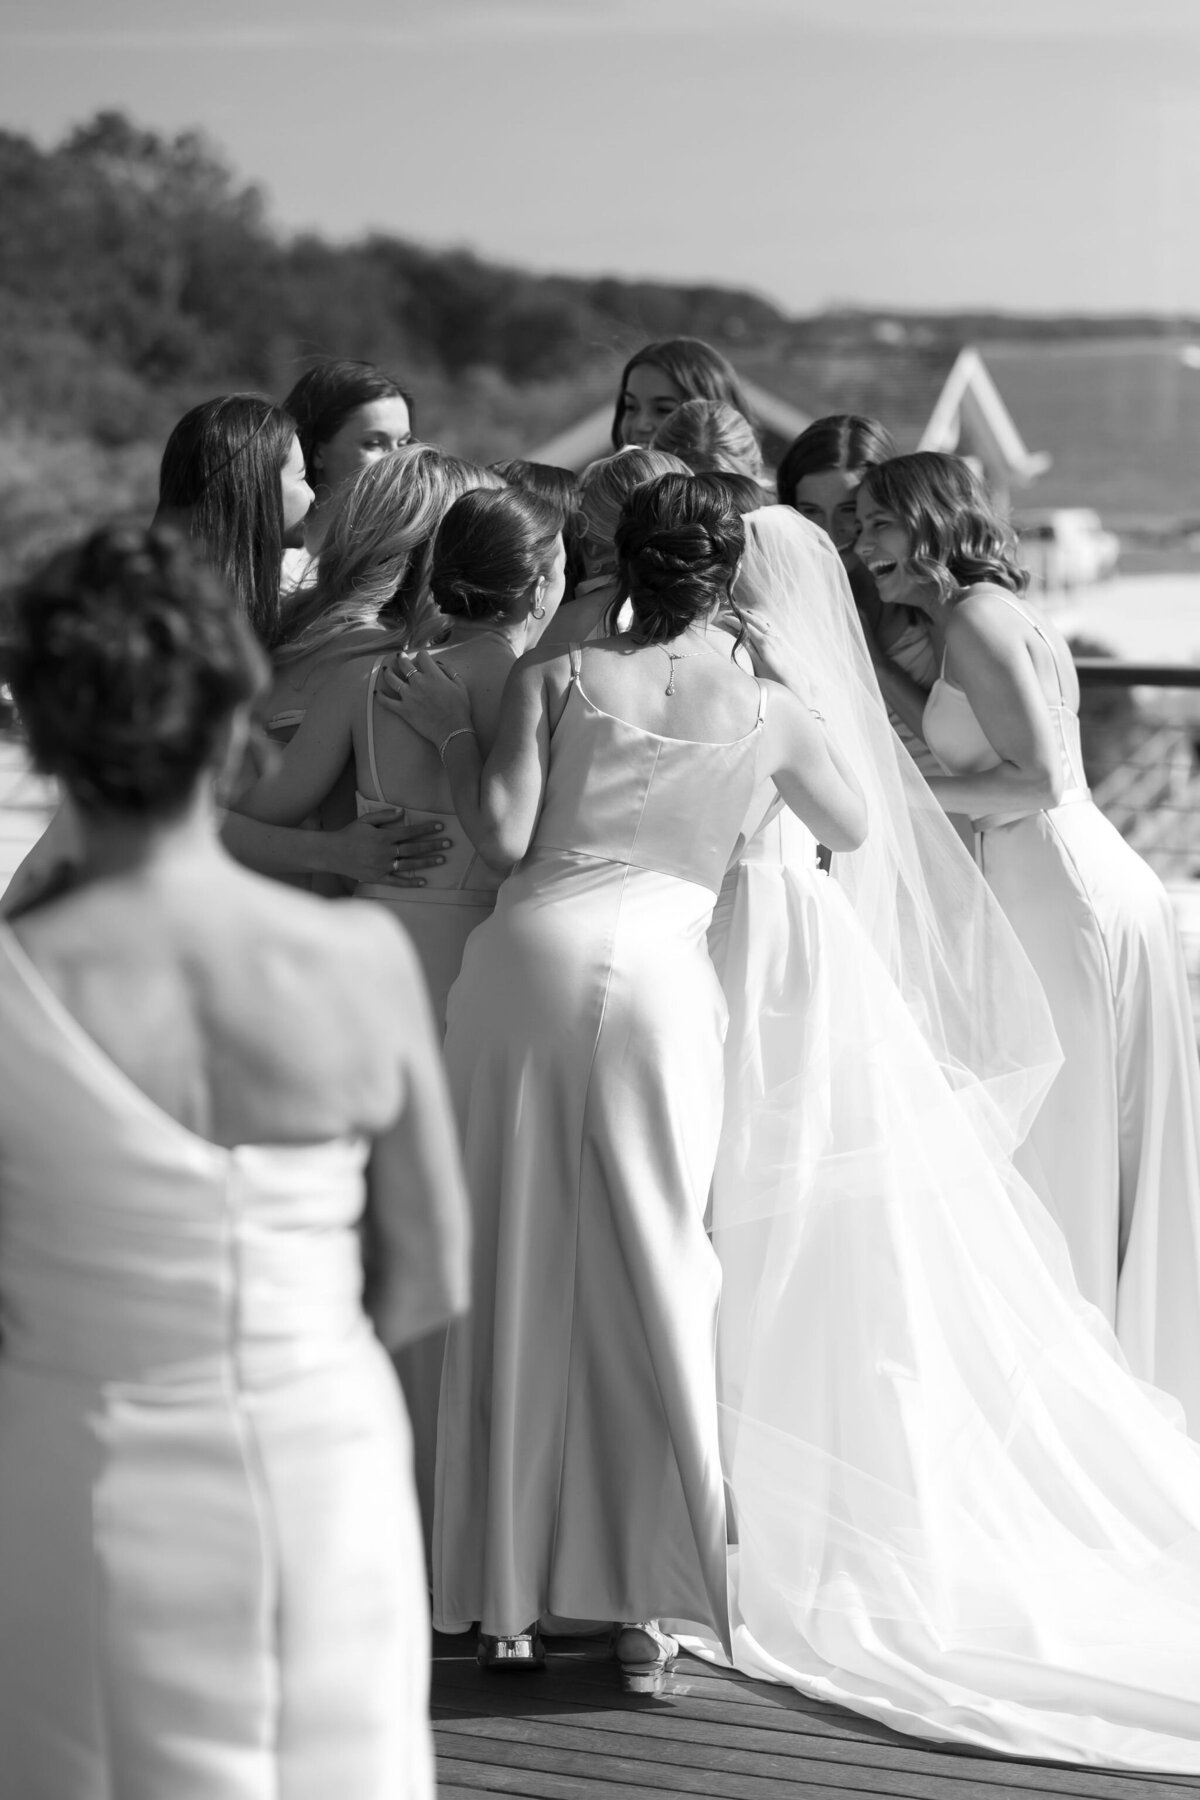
698	371
325	395
839	441
220	473
957	538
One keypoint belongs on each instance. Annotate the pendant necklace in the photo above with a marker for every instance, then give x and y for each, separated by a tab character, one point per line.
674	656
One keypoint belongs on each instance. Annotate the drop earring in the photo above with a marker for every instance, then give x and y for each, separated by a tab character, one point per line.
537	611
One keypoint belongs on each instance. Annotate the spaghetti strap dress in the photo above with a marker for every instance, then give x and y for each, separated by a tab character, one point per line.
578	1467
458	895
1117	1141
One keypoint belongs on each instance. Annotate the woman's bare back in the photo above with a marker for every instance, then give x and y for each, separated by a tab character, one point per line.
245	1011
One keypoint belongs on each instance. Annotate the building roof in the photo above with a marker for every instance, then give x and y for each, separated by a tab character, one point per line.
970	415
927	403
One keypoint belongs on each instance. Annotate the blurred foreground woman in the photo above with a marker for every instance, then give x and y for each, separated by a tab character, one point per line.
211	1576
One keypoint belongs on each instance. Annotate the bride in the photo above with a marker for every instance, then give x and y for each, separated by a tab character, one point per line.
956	1510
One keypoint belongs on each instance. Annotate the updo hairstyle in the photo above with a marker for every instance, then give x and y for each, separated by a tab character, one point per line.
126	658
679	543
843	441
559	488
606	485
957	539
745	494
711	435
325	396
221	469
489	551
698	371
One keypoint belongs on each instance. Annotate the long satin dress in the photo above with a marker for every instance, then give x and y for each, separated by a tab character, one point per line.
211	1576
578	1462
1118	1138
458	896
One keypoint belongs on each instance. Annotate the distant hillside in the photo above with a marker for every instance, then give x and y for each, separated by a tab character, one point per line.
138	275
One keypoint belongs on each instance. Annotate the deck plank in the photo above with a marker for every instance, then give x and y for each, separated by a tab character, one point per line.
569	1733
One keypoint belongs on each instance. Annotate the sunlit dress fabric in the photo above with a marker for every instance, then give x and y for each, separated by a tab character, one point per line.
952	1507
1118	1138
211	1574
578	1463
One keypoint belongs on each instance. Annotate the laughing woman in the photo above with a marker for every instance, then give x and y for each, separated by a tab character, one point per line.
1118	1140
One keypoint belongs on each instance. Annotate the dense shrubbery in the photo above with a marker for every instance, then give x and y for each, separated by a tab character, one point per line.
138	275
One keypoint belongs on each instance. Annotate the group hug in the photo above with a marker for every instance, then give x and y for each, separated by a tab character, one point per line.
578	1059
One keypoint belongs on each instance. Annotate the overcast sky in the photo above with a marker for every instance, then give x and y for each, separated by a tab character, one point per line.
1040	154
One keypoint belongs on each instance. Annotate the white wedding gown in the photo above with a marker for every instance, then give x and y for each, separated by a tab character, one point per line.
955	1509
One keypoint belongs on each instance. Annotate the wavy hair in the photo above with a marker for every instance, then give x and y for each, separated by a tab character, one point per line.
698	371
713	438
846	441
679	543
220	476
374	566
325	396
957	539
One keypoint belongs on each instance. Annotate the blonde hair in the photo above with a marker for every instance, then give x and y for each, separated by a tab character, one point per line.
606	485
713	438
374	566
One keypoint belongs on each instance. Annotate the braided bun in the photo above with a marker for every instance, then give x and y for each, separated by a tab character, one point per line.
126	658
679	542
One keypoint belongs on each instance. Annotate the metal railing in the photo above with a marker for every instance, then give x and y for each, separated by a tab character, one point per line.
1140	726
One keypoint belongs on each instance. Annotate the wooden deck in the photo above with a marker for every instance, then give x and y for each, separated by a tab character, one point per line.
568	1733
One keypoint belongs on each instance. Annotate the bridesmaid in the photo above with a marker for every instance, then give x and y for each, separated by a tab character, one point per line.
559	488
604	487
663	374
712	437
495	581
820	475
211	1580
348	415
232	478
370	591
1118	1139
578	1463
496	577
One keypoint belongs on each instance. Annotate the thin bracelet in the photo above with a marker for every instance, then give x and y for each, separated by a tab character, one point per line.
462	731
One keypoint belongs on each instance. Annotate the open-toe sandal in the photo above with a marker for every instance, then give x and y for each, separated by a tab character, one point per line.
644	1654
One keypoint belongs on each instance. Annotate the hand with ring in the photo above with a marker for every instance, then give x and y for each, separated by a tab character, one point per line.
383	847
427	695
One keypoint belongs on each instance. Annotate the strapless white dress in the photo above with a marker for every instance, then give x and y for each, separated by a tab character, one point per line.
211	1577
